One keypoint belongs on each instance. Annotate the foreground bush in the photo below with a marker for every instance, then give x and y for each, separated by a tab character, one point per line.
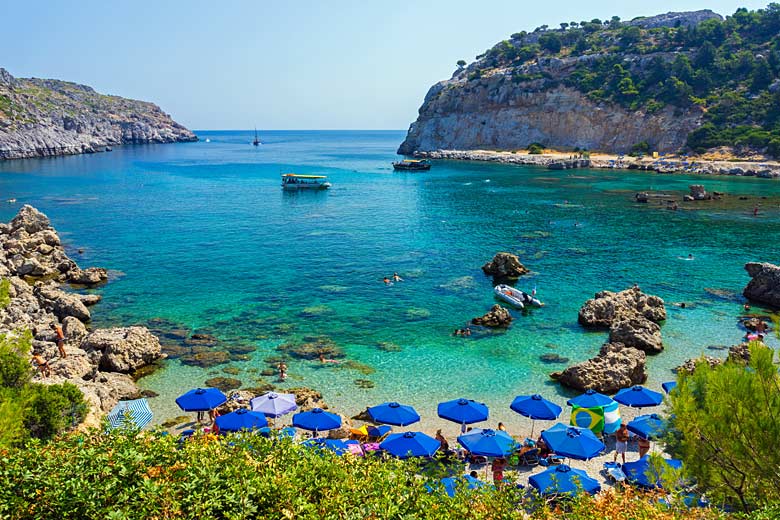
120	475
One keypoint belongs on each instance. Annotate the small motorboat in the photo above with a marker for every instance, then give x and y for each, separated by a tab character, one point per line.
516	297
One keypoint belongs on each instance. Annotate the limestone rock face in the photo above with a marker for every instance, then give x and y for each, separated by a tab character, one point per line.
61	303
638	332
764	286
90	276
505	265
73	119
606	307
497	316
307	399
616	366
494	112
124	349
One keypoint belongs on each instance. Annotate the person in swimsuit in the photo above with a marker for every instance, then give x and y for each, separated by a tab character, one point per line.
60	336
621	442
397	278
43	365
386	280
282	370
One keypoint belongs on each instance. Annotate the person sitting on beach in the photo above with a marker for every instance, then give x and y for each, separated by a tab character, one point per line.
544	450
445	445
501	427
397	278
43	365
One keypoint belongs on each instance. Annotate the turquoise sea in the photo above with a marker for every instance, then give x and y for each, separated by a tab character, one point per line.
201	234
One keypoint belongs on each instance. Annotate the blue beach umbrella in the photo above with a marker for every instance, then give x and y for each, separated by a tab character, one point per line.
393	413
590	399
316	420
241	419
564	480
410	444
201	400
536	407
488	443
572	442
642	473
639	397
273	404
337	446
669	386
649	426
136	412
463	411
269	432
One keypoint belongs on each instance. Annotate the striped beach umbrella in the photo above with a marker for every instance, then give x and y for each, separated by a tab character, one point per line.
135	413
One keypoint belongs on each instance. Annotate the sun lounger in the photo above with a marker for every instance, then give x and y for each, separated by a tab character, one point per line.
613	472
530	457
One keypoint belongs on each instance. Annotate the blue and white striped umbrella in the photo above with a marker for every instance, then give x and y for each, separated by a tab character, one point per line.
124	412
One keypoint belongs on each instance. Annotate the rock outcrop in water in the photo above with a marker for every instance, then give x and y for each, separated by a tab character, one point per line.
616	366
46	117
98	362
764	286
505	266
496	317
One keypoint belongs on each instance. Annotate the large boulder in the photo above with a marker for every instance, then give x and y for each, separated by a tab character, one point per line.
307	399
606	307
103	393
90	276
78	365
636	331
497	316
29	220
124	349
616	366
505	265
764	286
61	303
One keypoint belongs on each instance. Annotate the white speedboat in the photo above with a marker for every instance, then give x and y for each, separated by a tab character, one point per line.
292	181
516	297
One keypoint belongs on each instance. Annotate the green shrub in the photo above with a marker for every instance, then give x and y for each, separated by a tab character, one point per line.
641	148
535	148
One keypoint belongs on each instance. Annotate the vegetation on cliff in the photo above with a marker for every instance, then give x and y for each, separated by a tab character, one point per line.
727	67
32	410
52	117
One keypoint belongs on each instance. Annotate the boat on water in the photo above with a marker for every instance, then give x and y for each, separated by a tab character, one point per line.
516	297
256	142
415	165
293	181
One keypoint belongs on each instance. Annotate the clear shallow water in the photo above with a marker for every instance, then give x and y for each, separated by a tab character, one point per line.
205	237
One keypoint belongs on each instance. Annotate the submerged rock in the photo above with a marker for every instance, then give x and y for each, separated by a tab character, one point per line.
505	265
764	286
616	366
224	383
206	359
307	398
91	276
497	316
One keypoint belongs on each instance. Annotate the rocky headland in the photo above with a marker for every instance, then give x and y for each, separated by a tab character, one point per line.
38	276
47	117
611	86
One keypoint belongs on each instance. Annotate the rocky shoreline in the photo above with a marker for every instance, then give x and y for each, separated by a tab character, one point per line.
562	160
46	117
36	272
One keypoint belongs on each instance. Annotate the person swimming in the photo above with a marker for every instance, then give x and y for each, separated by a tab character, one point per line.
397	278
386	280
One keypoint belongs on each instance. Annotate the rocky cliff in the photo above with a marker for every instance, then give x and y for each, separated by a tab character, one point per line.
33	269
647	84
45	117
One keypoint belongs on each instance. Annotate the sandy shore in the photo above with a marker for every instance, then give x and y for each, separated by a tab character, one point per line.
707	165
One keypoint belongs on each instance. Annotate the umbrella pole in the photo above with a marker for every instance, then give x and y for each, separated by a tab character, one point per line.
533	425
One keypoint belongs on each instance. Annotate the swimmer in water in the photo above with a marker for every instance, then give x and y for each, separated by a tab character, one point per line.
397	278
386	280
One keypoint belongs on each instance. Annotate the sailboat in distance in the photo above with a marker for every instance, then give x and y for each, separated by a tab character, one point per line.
256	142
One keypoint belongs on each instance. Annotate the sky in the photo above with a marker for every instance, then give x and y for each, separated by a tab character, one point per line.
295	64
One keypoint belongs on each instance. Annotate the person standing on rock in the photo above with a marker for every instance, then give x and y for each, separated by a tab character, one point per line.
43	365
60	337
